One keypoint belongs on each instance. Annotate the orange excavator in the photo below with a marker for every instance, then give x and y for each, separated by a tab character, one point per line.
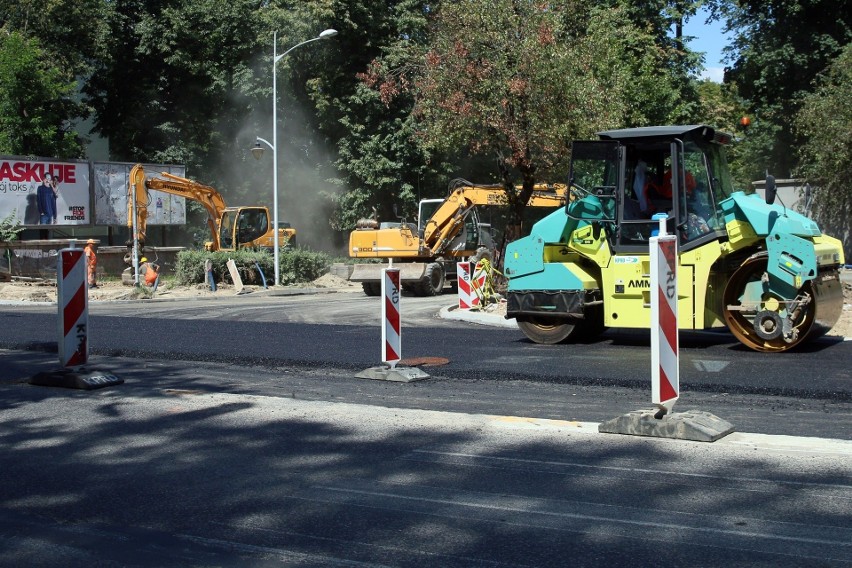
231	228
448	231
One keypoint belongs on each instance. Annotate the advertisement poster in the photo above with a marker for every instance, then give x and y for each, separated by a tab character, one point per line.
45	192
110	195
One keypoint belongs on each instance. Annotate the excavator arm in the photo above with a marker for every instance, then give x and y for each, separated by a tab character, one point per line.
447	221
139	187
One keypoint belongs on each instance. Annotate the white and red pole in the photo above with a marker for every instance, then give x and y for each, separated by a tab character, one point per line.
463	285
391	330
665	370
73	304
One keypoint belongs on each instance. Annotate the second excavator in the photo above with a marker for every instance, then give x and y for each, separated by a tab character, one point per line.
231	228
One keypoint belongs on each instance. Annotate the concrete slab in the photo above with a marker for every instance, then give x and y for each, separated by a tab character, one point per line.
696	425
397	374
75	379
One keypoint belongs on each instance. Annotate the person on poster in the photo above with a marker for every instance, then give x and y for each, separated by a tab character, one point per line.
46	196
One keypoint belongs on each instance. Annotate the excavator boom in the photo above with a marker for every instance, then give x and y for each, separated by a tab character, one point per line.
208	197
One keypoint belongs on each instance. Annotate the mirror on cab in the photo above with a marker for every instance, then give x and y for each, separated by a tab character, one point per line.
770	189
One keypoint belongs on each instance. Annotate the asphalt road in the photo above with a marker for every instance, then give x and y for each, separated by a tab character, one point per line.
240	437
161	472
486	369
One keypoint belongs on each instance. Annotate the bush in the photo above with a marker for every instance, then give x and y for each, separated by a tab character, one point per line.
302	265
296	266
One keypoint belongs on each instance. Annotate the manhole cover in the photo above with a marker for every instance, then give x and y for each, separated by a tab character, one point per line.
424	361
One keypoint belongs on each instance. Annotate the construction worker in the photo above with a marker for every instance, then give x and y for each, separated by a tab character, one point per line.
149	271
91	263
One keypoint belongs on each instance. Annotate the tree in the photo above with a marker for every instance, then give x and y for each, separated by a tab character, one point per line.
382	163
662	70
520	80
825	121
68	30
779	48
169	87
36	104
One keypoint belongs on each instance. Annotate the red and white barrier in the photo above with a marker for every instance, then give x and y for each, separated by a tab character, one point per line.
470	287
665	370
73	304
466	296
391	330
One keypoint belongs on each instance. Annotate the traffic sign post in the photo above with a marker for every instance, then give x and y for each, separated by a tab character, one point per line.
73	304
391	331
72	300
391	353
463	283
665	368
661	422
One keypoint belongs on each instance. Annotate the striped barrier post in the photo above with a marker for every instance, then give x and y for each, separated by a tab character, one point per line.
392	337
665	371
463	285
661	422
72	300
73	305
391	330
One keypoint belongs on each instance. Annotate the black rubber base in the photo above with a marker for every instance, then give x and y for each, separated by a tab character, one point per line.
75	379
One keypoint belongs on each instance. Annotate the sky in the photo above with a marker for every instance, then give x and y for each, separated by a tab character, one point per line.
710	40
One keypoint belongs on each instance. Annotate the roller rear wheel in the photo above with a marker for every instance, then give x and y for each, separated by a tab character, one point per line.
756	318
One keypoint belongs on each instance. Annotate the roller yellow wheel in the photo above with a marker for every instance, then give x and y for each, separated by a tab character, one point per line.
757	319
547	331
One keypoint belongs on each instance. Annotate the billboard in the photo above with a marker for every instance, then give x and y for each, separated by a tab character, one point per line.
43	191
47	191
110	181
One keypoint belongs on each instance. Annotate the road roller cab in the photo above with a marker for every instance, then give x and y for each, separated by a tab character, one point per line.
759	268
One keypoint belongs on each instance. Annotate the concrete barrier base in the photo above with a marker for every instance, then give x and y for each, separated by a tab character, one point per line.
75	379
397	374
694	425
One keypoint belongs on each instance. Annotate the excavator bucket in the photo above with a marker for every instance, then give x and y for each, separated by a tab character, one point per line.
409	271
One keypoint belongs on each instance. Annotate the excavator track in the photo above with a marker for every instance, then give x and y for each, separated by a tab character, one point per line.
760	321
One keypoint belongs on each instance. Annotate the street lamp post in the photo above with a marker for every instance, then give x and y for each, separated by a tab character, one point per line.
257	150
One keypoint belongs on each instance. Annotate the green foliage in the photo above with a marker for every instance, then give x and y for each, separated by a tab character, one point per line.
35	101
10	226
302	265
381	162
70	32
779	48
172	82
296	266
826	122
189	266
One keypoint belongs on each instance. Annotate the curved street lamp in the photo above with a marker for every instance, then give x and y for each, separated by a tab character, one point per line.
257	149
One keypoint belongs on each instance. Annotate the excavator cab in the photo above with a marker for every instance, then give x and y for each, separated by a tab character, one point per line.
244	227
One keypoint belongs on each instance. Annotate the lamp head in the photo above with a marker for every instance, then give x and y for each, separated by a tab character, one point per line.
257	150
325	34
